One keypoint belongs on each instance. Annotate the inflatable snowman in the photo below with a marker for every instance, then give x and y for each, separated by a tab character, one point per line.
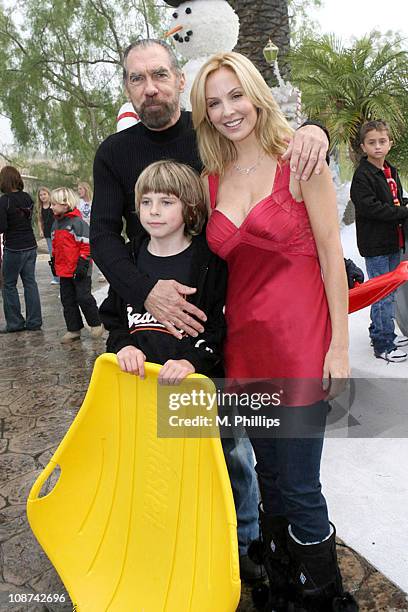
127	116
199	29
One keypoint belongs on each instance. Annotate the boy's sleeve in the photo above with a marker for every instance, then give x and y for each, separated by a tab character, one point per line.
81	231
205	351
113	316
367	205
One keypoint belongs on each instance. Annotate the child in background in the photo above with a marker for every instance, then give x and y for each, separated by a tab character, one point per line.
85	204
45	219
72	263
376	192
170	202
85	200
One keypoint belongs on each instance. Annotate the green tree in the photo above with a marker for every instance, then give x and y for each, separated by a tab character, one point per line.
60	70
300	23
259	21
346	86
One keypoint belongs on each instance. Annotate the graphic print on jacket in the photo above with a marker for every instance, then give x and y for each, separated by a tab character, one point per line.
138	321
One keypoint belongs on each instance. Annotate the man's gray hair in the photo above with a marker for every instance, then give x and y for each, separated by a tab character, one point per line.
144	43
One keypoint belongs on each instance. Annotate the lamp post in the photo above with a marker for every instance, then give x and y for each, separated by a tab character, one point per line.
270	53
288	97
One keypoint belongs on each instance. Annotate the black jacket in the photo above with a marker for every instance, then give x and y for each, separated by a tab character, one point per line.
15	221
377	217
209	275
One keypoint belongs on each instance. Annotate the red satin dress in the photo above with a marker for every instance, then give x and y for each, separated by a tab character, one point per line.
278	323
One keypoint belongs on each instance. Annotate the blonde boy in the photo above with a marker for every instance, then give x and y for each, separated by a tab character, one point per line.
170	203
71	261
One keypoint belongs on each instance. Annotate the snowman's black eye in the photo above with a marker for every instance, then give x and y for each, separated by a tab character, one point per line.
188	10
175	15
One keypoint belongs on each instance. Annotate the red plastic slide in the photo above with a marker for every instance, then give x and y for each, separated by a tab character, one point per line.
364	294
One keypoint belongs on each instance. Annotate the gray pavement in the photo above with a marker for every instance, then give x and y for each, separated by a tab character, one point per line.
42	385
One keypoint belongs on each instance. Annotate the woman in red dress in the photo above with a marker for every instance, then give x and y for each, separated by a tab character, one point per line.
286	312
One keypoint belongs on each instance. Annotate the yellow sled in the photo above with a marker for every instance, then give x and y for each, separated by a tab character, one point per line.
137	523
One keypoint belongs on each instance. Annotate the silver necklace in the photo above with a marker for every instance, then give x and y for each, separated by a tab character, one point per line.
249	169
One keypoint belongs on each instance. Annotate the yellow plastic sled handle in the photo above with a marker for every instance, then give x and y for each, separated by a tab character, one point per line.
41	480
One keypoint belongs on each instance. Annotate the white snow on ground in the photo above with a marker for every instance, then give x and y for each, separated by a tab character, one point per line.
365	479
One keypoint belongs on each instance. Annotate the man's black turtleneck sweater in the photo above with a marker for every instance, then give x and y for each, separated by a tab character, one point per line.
118	163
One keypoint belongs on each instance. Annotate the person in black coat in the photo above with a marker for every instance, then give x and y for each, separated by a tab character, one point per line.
20	254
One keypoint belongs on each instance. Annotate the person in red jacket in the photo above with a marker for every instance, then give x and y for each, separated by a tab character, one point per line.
71	261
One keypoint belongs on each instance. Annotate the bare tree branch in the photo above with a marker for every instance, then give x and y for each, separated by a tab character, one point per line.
101	9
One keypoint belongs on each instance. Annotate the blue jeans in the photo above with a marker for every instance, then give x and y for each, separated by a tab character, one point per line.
289	480
382	313
15	264
49	246
239	458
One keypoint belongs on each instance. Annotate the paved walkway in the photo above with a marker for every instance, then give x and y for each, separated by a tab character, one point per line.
42	385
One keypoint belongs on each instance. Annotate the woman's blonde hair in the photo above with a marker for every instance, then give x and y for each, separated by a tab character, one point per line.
65	195
172	178
39	205
88	190
271	129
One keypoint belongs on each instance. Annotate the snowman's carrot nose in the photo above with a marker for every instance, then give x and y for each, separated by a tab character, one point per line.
173	31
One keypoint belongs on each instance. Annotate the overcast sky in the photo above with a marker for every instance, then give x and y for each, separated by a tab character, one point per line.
346	18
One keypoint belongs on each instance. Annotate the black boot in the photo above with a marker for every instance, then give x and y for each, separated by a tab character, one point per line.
272	551
316	579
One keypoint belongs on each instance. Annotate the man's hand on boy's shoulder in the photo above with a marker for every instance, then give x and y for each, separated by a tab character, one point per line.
167	303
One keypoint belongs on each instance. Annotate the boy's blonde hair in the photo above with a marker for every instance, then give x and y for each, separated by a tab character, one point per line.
65	195
88	190
172	178
271	129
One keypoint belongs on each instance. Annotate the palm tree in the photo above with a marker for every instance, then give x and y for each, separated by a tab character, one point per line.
259	21
344	87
